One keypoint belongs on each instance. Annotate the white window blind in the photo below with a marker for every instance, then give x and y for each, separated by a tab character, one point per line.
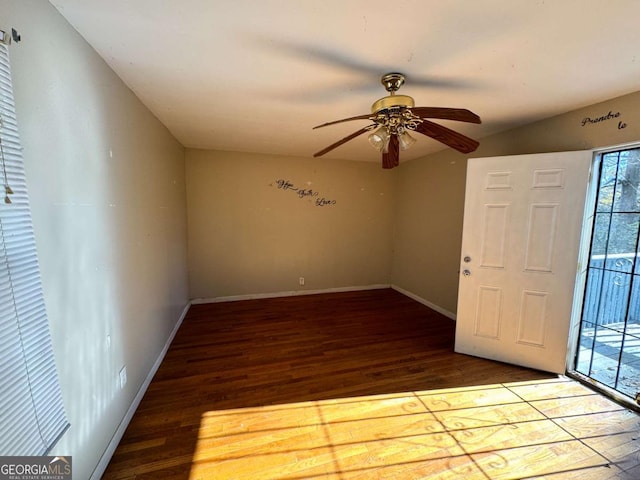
32	415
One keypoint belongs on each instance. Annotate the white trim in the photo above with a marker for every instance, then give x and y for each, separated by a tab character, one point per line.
117	436
622	146
293	293
426	303
584	249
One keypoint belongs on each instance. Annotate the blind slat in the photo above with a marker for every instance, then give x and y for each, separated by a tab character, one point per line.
32	415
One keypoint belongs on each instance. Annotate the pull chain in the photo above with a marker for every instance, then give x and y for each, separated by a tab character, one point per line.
7	189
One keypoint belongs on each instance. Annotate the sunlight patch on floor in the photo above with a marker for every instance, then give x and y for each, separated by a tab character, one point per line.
552	429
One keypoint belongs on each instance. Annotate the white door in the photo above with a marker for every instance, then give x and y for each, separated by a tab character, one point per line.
523	218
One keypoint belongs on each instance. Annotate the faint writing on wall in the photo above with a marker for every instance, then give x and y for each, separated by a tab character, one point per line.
604	118
304	193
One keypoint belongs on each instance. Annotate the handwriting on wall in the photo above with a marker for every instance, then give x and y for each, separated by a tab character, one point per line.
604	118
304	193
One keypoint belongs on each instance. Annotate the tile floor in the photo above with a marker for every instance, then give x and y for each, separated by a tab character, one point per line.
549	429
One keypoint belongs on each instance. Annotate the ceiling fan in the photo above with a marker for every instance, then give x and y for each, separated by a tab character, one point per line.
394	116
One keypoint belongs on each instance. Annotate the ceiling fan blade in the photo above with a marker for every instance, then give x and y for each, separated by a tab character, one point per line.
358	117
340	58
392	157
344	140
458	114
447	136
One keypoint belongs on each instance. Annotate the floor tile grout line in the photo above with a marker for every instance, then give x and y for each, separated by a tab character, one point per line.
446	430
580	440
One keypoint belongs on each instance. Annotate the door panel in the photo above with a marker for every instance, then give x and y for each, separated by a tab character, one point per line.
489	311
494	236
541	235
522	223
533	318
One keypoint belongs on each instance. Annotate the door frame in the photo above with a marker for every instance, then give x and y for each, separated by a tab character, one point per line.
581	277
583	260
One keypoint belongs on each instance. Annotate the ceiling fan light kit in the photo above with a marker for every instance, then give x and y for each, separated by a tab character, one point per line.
406	140
380	139
394	116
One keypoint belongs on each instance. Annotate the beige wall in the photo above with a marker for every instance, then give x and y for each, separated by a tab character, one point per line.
430	194
107	189
247	236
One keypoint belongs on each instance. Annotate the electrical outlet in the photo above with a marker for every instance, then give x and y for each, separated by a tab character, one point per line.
301	280
123	377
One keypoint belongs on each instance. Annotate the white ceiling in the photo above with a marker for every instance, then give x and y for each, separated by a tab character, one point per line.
257	75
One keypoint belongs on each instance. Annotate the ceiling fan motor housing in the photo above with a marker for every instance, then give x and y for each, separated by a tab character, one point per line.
392	101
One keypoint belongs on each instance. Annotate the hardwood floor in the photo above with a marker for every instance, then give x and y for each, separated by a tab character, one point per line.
360	385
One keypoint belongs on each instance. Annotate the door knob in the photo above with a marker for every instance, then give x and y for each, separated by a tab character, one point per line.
466	273
467	259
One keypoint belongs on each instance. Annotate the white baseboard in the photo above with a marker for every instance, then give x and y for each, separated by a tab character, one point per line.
427	303
254	296
113	444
